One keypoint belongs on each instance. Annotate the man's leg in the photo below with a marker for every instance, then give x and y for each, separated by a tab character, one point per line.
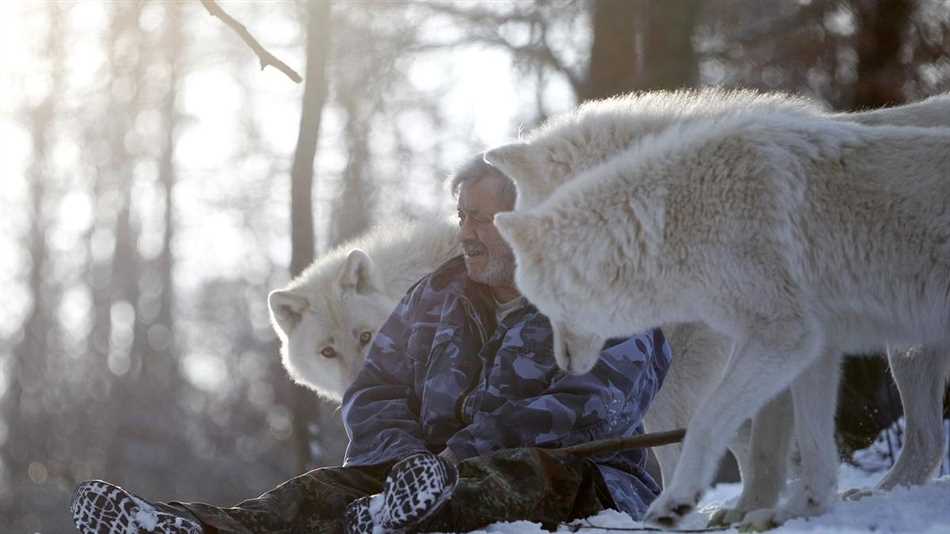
313	502
99	507
522	484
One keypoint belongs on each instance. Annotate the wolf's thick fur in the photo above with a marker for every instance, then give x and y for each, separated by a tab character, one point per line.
345	295
795	138
573	142
595	132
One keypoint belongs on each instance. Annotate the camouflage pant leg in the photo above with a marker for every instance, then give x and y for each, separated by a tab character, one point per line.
311	503
522	484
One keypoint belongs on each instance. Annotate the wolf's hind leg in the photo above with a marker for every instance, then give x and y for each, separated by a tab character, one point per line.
921	376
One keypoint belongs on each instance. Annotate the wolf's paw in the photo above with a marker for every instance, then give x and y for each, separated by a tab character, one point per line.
806	504
800	505
726	517
668	511
763	519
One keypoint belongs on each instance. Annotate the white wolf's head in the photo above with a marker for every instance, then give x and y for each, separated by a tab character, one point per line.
547	276
326	325
327	316
590	256
572	143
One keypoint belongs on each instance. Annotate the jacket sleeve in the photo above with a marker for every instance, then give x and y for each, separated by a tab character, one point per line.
380	409
558	409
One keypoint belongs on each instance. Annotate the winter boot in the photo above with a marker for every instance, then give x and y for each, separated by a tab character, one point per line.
99	507
415	488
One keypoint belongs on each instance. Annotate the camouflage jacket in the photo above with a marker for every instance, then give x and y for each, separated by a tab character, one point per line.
442	374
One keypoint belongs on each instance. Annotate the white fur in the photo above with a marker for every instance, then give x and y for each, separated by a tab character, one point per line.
755	167
567	144
558	151
351	290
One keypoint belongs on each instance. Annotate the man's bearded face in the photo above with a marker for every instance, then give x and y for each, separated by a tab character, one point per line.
488	258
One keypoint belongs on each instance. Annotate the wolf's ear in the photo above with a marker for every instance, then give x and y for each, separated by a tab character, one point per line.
522	163
286	307
651	214
359	273
520	230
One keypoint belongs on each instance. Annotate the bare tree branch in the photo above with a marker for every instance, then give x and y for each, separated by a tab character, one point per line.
484	26
538	53
478	15
263	55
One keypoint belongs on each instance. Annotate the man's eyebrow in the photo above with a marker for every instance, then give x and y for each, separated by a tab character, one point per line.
467	211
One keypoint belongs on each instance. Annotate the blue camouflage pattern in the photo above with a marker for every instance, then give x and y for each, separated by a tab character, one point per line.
441	374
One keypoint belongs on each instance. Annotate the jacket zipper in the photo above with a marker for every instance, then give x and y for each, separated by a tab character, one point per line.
470	309
460	404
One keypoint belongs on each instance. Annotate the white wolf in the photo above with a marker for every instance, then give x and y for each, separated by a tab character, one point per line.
575	142
748	220
326	317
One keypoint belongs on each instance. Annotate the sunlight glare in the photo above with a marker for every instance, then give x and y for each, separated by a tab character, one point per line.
75	314
206	372
212	97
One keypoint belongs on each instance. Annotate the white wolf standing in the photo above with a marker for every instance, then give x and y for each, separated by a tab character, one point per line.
572	143
327	316
679	227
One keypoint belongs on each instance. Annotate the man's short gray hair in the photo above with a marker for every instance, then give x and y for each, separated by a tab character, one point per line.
474	170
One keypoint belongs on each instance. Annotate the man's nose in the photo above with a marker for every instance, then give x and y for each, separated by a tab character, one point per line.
467	229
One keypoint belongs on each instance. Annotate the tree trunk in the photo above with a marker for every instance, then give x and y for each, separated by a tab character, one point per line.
881	34
316	88
24	410
641	45
869	398
351	213
668	58
614	50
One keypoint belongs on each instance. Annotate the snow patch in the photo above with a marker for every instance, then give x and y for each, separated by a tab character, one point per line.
923	509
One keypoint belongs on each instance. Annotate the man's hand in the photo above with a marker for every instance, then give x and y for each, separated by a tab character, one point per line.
449	456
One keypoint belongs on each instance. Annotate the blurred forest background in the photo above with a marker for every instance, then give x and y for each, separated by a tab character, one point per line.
157	184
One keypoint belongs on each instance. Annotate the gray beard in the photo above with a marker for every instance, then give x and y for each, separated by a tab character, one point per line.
500	272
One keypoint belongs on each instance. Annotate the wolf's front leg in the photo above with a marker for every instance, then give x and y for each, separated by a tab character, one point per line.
763	466
755	374
815	395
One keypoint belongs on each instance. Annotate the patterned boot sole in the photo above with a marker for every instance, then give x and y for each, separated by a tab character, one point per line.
414	490
102	508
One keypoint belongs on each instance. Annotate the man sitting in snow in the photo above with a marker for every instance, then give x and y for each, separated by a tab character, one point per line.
449	418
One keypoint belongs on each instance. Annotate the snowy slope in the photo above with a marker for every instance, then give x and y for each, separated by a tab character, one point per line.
919	510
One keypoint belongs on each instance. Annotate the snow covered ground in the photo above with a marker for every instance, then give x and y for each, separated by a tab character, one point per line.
920	510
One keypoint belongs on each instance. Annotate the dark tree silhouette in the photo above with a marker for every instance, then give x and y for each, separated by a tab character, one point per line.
316	88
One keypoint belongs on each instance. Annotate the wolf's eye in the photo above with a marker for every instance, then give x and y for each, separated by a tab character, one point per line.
328	352
365	337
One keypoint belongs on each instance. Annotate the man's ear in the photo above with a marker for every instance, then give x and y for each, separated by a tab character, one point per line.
521	163
359	274
286	308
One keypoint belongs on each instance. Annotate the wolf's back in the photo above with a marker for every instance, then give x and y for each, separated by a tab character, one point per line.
932	112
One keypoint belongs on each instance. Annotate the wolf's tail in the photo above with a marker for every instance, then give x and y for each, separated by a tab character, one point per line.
929	113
